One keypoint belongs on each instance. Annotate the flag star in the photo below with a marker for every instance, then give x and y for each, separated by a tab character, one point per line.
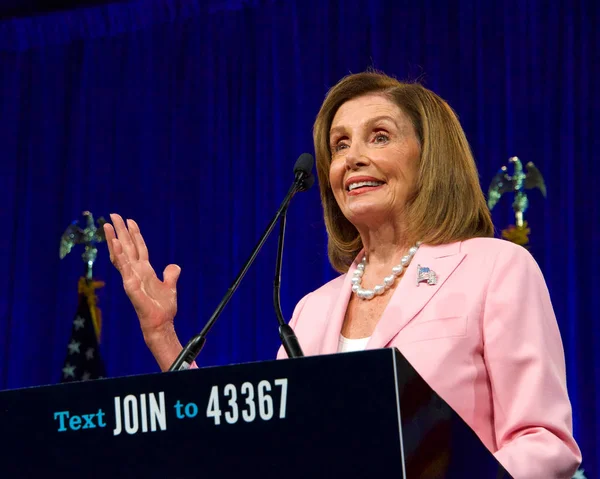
74	347
79	321
89	353
85	376
68	371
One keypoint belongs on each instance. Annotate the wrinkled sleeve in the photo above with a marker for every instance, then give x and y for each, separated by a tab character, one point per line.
524	356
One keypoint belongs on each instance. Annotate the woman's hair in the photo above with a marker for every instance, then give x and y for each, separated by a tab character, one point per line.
448	204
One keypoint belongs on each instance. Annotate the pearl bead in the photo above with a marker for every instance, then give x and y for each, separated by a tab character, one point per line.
388	281
368	294
397	270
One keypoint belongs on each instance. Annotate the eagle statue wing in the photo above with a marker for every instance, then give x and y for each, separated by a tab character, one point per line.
501	183
534	179
72	235
99	235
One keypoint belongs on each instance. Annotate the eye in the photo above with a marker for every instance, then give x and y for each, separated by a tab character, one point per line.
338	145
381	138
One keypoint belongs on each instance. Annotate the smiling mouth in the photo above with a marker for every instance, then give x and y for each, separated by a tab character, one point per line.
363	186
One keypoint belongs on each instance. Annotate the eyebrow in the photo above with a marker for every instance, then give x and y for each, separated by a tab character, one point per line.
340	129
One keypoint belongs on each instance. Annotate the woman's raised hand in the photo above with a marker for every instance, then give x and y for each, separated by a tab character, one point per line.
155	301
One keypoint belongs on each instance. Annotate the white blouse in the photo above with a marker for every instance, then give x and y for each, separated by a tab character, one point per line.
346	345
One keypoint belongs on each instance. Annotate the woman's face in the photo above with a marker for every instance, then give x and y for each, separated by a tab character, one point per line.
375	159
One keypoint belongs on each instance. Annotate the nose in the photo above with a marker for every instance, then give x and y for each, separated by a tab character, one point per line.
355	157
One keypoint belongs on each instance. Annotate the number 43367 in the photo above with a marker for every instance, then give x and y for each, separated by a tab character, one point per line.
249	402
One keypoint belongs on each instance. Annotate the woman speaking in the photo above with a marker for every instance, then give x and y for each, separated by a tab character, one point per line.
411	235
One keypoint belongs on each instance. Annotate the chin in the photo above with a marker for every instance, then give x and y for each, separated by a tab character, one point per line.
363	213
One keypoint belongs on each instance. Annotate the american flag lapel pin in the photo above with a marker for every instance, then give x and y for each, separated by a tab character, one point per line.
426	274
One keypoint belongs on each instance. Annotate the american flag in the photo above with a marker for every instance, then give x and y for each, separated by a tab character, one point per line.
425	274
83	361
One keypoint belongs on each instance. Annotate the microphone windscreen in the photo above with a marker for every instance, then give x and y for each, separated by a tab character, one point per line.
308	182
304	164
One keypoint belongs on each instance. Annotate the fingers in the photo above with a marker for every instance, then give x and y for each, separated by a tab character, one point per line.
124	237
171	275
138	240
109	234
120	259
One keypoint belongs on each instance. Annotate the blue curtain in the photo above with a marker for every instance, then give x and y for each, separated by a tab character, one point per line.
188	116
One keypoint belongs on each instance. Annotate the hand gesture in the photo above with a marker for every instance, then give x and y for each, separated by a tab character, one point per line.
155	301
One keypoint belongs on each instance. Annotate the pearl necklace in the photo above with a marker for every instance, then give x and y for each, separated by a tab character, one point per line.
388	281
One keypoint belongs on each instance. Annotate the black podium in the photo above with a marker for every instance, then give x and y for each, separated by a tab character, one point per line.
352	415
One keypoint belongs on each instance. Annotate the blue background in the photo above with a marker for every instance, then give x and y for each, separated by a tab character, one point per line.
188	116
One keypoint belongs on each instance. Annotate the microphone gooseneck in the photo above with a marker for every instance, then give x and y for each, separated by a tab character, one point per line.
286	333
303	179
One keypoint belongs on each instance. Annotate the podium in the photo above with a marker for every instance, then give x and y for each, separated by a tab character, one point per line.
352	415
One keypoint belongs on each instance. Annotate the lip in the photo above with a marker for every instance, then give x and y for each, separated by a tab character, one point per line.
356	179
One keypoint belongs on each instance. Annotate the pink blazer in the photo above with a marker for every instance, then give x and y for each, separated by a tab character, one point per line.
486	340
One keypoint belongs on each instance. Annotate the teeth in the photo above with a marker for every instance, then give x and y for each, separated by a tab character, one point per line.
353	186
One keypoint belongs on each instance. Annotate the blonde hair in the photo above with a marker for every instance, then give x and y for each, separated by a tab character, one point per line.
448	204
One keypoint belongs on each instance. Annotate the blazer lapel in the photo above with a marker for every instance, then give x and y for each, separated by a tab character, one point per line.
409	298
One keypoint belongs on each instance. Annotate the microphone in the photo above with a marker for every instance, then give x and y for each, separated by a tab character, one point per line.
303	179
302	170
